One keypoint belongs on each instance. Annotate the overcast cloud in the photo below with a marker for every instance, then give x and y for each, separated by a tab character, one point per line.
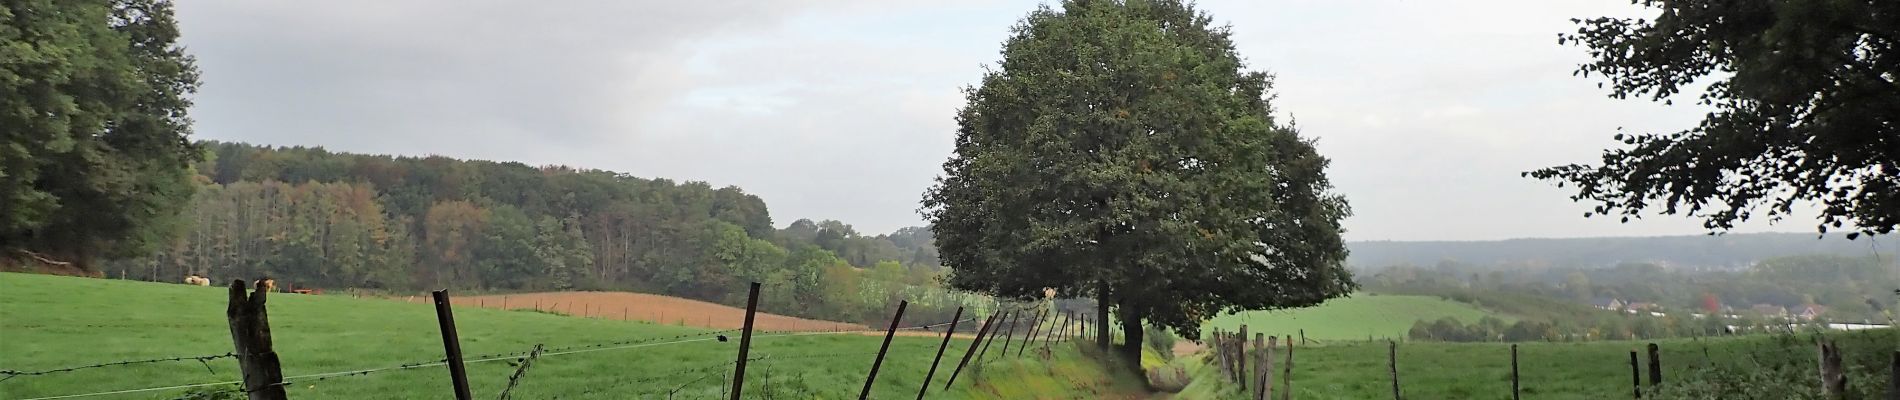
842	109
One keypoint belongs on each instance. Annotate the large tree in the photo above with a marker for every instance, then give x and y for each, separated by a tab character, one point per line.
94	157
1806	110
1121	150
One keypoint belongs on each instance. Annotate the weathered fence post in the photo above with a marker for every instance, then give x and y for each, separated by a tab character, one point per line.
250	335
997	326
1302	336
1833	378
1218	343
1033	327
1057	330
1636	376
1051	335
1240	358
1514	387
1260	365
1286	376
888	333
451	345
980	332
947	334
1655	366
1017	320
745	340
1392	364
1893	377
1266	374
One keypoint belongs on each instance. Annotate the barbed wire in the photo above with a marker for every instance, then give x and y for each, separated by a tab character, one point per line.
203	359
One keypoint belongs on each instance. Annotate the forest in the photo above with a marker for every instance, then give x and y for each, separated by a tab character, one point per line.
314	218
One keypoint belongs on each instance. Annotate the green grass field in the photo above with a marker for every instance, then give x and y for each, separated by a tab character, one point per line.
1592	370
1352	318
51	322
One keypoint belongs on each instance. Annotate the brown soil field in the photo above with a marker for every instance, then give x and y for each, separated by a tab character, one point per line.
674	310
647	307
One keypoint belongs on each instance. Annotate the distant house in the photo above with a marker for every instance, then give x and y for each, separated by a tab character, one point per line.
1633	307
1606	303
1770	310
1810	312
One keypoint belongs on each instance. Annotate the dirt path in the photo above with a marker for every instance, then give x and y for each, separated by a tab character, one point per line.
1185	347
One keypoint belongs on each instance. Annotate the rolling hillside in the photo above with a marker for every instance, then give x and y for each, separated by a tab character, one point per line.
1352	318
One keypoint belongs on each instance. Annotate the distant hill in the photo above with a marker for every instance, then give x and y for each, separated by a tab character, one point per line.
1696	251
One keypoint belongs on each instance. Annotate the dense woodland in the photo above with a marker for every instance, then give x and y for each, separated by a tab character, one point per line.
313	218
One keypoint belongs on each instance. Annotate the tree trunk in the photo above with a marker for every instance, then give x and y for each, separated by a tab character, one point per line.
1130	351
1101	315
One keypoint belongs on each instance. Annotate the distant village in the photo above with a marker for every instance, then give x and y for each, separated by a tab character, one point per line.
1809	314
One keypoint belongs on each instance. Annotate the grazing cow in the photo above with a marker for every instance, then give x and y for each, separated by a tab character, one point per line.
197	280
269	285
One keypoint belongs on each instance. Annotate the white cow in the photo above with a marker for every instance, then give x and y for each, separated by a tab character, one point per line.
197	280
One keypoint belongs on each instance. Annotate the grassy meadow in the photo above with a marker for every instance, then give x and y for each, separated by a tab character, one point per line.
1764	366
49	322
1353	318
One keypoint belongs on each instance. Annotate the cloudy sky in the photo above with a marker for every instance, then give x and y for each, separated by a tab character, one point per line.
841	109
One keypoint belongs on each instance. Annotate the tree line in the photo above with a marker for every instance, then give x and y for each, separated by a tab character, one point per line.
309	217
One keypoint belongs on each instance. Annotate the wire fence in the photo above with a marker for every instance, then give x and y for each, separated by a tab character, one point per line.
685	377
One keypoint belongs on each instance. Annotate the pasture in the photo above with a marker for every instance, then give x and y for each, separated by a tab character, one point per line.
1768	366
49	322
1353	318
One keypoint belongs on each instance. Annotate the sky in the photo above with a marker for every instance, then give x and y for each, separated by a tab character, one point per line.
842	109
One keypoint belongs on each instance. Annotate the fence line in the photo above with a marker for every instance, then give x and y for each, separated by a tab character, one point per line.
629	344
205	359
255	301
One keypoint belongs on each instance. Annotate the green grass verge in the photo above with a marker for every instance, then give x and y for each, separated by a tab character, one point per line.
51	322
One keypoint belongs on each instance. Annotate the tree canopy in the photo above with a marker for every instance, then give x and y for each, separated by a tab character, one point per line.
95	160
1807	110
1121	150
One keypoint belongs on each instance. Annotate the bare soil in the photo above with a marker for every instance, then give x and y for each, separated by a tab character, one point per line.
648	307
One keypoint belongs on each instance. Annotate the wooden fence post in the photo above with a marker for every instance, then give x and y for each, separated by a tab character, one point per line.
1240	358
1833	378
1011	333
451	344
980	332
1286	376
1514	387
879	361
947	334
1051	335
1266	373
1636	376
1033	327
1218	343
250	335
1893	376
992	339
1655	366
1260	355
1392	364
745	340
